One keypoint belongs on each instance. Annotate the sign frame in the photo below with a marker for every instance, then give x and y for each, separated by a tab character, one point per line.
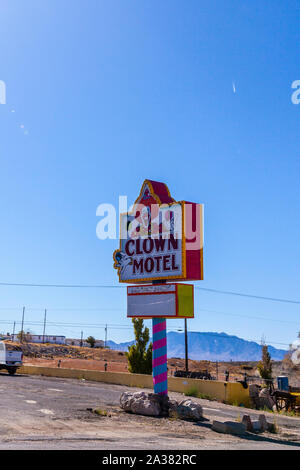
166	201
163	287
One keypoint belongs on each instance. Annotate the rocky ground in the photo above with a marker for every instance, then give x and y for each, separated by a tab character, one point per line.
95	358
76	357
52	413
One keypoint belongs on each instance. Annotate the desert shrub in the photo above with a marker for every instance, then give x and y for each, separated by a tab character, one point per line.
191	392
138	355
194	392
265	366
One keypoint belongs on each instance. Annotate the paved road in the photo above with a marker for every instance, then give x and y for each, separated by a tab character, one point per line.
52	413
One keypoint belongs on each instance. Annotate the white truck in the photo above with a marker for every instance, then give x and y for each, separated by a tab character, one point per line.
10	357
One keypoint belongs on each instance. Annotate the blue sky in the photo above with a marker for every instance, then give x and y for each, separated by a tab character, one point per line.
104	94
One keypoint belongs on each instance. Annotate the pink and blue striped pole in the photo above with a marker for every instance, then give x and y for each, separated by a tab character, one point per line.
159	359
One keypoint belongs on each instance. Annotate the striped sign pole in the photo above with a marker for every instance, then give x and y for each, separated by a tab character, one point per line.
159	361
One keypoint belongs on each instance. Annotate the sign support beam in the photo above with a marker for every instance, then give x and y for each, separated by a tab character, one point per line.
186	346
159	358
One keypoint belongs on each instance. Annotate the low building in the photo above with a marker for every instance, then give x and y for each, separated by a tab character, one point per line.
41	339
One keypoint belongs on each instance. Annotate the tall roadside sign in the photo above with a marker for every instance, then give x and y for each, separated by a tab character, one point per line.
161	240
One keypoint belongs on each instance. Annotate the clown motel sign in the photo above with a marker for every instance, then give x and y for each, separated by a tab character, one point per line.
160	301
160	239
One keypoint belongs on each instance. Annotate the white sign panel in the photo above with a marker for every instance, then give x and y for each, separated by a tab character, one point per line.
151	301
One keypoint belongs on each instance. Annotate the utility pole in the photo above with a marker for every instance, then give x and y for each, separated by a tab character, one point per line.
45	316
105	341
81	339
21	339
13	335
186	346
217	370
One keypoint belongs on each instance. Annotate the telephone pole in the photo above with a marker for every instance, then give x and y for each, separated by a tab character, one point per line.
186	346
81	339
105	341
45	317
22	327
13	335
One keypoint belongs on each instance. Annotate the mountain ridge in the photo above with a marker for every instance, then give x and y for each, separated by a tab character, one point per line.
211	346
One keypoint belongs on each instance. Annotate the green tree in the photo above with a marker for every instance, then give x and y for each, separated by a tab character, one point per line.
91	340
265	365
138	355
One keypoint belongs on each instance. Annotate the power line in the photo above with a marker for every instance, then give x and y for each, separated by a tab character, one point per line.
102	325
100	309
251	296
125	327
84	286
219	335
65	325
37	322
83	309
95	286
249	316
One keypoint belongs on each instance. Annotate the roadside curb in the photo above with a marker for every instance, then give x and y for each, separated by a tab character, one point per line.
227	392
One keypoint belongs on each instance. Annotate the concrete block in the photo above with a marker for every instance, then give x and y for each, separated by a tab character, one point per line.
263	423
229	427
256	426
247	422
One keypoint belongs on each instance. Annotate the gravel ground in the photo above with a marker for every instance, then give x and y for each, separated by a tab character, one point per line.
52	413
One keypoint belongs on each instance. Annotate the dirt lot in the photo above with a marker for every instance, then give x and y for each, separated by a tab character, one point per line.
75	357
95	358
90	364
53	413
117	363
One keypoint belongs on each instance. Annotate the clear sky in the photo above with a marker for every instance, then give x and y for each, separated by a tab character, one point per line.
103	94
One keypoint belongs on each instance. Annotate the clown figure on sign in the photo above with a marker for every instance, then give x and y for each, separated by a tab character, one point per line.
121	260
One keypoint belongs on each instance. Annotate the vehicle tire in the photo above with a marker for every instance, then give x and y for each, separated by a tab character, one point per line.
12	370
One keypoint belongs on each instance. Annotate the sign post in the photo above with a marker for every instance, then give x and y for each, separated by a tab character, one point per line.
160	240
159	363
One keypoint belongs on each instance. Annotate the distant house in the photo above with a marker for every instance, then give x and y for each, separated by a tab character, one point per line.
5	337
42	339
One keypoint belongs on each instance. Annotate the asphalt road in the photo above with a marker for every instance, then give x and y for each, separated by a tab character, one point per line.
52	413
